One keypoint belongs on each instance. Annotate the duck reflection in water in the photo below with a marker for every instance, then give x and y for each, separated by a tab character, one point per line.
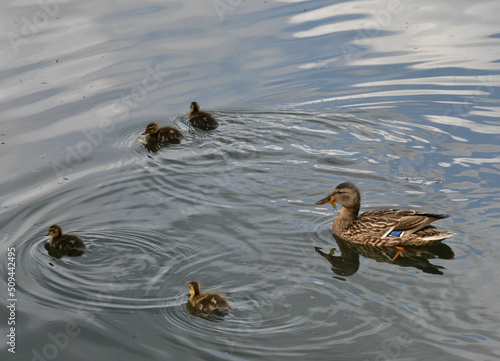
59	253
347	263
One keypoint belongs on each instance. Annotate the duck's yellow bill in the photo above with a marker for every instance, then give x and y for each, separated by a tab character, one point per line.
326	200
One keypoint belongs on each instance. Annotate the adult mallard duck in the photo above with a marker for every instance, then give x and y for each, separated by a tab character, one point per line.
207	301
201	120
381	227
163	134
64	242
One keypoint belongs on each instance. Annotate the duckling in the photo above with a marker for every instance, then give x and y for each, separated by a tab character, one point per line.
201	120
65	242
163	134
381	227
207	301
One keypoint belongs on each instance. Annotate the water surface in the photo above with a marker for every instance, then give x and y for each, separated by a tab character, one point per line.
398	97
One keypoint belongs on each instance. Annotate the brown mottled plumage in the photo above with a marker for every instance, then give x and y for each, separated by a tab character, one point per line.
201	120
207	301
374	227
163	134
64	242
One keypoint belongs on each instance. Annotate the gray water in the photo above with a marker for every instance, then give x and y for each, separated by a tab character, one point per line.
401	98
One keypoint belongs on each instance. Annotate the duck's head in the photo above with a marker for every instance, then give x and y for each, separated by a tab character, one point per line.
151	128
346	194
54	231
195	107
194	288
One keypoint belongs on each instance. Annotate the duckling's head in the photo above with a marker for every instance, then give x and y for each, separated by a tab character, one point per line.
151	128
195	107
55	231
194	288
346	194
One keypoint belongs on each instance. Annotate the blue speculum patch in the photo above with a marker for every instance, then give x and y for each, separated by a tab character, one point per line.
395	234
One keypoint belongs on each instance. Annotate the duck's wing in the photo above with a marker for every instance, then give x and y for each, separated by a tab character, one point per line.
384	221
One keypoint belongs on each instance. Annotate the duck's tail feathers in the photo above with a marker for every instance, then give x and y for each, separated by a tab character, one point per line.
439	236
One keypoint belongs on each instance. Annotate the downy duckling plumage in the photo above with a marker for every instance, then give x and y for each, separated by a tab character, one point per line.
201	120
162	134
206	301
64	242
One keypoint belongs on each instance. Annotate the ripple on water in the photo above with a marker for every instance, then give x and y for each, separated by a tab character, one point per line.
117	270
234	209
259	312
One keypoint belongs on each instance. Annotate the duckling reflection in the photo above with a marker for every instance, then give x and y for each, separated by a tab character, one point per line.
206	302
201	120
59	253
347	263
62	244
